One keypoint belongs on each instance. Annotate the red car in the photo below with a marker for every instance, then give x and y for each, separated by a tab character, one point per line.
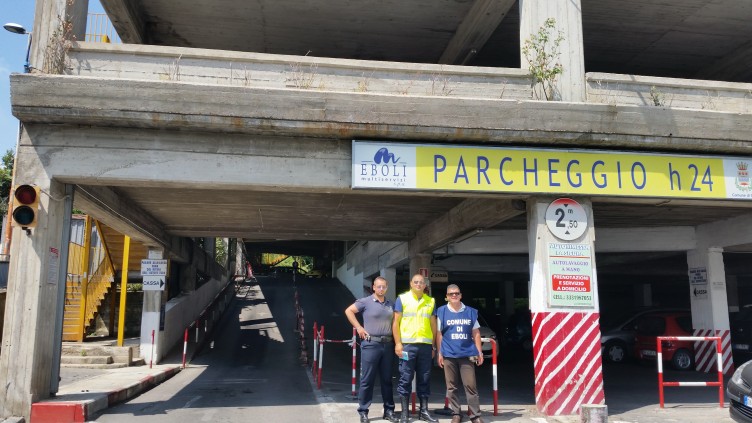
650	326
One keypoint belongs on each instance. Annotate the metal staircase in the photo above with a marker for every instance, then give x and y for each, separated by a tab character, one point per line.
90	277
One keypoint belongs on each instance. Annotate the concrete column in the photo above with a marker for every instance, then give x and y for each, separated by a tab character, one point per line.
150	315
508	298
568	16
390	274
643	293
707	290
32	298
49	16
565	314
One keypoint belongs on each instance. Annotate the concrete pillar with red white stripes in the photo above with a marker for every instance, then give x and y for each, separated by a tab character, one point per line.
707	291
564	305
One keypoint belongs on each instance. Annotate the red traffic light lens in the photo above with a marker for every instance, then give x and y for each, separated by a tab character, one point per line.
26	194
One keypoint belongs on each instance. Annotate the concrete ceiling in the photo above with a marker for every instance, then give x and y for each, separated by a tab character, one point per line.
672	38
263	215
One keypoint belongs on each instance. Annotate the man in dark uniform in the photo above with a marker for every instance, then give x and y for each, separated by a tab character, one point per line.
376	347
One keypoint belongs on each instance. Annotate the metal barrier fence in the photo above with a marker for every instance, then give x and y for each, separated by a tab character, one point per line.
205	322
719	360
318	360
318	356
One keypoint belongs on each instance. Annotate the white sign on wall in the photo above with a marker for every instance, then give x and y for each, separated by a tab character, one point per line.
441	276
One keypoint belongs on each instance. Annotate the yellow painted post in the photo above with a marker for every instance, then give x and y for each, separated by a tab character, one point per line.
123	289
84	279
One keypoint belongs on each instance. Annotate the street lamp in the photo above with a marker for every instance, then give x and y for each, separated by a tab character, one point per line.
19	29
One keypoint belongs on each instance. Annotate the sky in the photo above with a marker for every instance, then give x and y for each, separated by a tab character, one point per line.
12	58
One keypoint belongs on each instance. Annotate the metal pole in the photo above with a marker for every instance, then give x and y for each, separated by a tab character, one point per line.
659	354
123	289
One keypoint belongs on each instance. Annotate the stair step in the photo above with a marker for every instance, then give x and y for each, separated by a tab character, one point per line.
93	359
94	366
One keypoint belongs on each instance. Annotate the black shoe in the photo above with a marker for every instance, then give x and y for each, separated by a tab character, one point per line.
423	414
405	414
363	416
390	416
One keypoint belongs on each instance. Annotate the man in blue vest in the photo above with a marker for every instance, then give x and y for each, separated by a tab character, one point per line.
458	337
414	330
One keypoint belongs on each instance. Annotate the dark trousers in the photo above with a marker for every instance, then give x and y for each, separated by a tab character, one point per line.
419	362
376	358
456	370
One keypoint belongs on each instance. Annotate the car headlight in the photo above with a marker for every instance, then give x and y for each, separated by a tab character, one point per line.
737	377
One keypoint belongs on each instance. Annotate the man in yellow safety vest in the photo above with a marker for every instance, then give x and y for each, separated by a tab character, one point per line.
414	330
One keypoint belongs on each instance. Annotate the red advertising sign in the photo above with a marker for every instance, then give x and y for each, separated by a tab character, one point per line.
570	283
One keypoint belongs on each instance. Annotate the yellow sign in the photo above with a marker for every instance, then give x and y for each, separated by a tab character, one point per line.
385	165
575	172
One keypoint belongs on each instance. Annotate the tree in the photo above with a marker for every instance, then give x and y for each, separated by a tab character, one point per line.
6	180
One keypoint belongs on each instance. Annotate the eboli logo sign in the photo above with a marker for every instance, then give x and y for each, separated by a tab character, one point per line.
548	171
383	166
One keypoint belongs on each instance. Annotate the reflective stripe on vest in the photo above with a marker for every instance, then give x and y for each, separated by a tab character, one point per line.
415	325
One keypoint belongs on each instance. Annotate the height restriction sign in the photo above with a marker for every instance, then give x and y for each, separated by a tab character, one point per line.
566	219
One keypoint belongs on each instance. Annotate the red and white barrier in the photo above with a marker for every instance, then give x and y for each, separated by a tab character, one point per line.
494	373
354	353
719	361
185	346
318	359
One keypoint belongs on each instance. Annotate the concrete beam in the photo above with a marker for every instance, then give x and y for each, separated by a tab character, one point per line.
726	233
127	19
346	116
123	216
475	29
470	215
608	240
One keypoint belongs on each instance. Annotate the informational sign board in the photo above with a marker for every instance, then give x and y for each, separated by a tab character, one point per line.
154	283
402	166
153	267
698	276
570	269
566	219
439	276
423	272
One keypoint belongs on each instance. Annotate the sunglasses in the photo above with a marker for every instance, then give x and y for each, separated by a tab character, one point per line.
453	294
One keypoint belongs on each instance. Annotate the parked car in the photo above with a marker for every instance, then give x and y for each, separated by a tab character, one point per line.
652	325
741	333
739	392
487	332
519	331
618	335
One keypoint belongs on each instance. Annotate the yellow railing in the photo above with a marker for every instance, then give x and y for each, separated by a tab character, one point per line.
99	29
90	272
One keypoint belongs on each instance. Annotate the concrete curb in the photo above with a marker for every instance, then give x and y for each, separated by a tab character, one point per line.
63	410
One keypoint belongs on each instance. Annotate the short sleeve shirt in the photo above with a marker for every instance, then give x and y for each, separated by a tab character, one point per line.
377	316
398	307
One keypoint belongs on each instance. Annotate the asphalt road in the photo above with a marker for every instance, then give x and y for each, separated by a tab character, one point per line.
252	372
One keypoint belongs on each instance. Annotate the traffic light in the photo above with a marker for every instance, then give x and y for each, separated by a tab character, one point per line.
25	206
